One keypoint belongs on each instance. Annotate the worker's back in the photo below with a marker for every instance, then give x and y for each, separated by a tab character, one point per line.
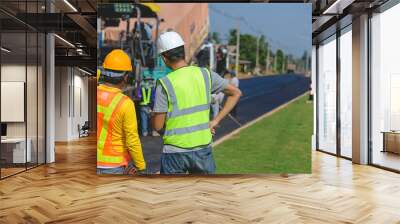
116	129
188	82
182	109
189	100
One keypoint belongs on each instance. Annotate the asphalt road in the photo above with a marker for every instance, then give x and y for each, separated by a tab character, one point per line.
260	95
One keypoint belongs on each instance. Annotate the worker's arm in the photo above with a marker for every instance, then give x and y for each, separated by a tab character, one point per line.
132	141
233	95
160	108
158	121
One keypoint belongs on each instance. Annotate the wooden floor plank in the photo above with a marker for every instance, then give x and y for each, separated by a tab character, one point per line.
69	191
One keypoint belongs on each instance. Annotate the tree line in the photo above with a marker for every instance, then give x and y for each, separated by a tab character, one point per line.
278	60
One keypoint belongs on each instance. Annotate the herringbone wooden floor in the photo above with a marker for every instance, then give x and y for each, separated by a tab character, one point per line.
69	191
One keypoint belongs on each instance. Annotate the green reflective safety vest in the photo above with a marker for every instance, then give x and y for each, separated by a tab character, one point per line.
146	95
189	96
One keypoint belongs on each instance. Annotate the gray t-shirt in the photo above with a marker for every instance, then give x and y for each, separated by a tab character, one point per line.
218	84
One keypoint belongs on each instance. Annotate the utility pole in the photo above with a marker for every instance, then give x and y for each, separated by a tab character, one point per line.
267	60
284	61
306	63
237	46
257	55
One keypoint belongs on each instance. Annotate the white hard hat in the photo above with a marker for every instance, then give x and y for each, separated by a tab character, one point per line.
169	40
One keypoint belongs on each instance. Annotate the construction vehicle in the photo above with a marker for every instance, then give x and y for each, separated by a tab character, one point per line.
136	40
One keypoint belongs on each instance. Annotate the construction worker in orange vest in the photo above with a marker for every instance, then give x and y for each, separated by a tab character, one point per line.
118	145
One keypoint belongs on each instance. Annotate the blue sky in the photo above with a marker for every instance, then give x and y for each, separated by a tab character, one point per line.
287	26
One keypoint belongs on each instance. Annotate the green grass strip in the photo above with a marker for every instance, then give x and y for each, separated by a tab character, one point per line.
279	143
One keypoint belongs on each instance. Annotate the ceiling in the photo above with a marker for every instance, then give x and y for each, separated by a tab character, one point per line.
330	13
74	21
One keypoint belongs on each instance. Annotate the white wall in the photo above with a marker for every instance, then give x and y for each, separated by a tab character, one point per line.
71	102
34	125
61	103
9	73
12	73
80	111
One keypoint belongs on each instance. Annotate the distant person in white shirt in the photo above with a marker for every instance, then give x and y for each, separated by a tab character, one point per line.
231	77
216	103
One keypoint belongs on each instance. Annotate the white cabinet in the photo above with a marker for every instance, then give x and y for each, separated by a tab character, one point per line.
17	146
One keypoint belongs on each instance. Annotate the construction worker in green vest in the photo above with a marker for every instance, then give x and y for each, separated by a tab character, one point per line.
145	105
181	111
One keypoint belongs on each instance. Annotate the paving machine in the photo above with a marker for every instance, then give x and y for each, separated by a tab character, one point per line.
138	39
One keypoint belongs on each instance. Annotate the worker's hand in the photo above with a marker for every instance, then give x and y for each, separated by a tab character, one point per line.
130	170
213	124
142	172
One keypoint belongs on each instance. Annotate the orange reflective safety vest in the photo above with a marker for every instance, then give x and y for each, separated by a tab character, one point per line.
108	104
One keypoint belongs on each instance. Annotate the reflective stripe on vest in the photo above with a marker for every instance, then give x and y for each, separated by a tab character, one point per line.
180	131
175	110
107	111
188	127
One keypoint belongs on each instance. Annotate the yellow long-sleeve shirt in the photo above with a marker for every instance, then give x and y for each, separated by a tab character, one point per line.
125	131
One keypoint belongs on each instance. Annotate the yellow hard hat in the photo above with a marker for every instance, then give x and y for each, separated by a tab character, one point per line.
118	60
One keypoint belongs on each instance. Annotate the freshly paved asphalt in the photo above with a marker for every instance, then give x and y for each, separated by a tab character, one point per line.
260	95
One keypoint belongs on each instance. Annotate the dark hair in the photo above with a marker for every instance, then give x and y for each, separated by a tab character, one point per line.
113	80
174	55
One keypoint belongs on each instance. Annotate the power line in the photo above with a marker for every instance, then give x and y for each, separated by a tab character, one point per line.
221	12
241	19
278	44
